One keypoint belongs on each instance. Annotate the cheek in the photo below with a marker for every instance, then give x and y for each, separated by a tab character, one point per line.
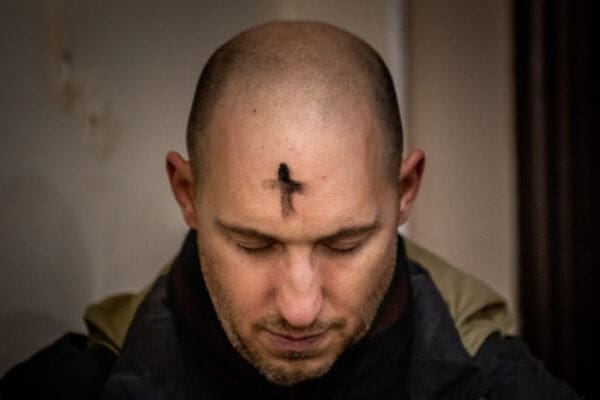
356	288
238	291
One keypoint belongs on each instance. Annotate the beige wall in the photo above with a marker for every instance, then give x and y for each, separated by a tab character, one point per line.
86	209
459	110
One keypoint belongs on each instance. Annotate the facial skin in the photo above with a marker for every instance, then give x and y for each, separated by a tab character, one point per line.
294	290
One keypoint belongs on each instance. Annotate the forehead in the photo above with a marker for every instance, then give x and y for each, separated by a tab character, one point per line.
290	113
332	144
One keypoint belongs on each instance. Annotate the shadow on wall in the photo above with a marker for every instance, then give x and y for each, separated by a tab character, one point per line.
45	270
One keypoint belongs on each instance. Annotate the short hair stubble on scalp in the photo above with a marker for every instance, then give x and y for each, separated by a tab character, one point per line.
323	55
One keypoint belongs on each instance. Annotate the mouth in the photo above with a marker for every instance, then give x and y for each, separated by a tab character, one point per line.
287	342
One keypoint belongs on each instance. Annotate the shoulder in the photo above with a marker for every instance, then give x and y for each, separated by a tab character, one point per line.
477	310
72	367
109	320
516	374
76	366
485	328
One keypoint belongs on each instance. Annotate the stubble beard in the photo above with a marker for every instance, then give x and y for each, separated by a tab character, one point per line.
294	367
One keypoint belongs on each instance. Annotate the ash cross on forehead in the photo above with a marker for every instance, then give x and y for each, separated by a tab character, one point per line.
287	186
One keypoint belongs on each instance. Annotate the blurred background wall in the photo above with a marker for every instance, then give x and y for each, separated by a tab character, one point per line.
95	93
459	109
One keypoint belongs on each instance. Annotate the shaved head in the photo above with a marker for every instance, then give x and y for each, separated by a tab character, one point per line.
322	62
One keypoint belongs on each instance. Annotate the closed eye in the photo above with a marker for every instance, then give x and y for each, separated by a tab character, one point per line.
342	249
251	249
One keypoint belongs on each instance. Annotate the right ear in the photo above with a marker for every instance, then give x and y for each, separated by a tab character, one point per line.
182	184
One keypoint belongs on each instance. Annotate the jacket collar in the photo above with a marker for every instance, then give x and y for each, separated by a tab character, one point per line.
164	357
439	362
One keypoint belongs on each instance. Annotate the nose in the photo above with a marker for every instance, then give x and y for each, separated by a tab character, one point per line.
299	298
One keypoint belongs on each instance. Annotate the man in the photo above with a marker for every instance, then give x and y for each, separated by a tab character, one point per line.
293	282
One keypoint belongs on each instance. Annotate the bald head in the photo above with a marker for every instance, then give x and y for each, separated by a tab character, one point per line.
318	61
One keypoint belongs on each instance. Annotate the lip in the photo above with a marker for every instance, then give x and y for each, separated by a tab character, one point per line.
283	342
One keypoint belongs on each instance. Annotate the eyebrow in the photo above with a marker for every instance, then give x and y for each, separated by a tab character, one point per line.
344	232
241	230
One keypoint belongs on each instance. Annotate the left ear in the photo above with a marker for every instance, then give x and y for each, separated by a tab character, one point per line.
411	172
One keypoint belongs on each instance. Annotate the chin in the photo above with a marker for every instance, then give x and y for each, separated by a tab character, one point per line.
287	369
291	372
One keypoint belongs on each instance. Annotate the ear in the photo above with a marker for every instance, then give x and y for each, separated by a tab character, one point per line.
182	184
411	171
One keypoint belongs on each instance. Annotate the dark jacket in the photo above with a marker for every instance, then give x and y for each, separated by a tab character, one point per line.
161	360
